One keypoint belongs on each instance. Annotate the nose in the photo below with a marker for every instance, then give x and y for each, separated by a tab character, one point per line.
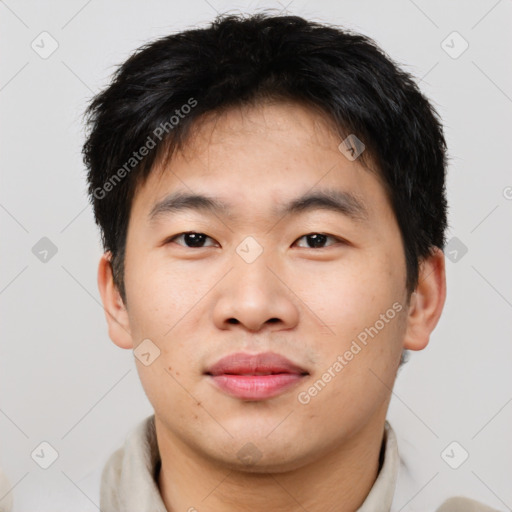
255	296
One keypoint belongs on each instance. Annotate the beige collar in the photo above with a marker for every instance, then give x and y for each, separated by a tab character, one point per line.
129	478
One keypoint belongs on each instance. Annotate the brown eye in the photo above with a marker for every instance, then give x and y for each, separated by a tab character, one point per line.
317	240
191	239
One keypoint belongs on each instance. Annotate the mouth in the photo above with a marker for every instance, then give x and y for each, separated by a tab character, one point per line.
255	377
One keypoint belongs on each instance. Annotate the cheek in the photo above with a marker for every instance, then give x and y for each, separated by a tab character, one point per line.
162	295
360	311
165	388
164	309
356	374
348	294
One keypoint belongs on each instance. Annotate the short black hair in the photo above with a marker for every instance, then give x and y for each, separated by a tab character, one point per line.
164	88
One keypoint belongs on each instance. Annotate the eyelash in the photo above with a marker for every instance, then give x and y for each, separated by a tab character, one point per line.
337	239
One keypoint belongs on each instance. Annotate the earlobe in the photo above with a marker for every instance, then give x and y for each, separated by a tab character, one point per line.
115	310
427	301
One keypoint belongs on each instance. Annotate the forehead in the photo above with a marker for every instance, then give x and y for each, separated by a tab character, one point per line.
271	122
261	156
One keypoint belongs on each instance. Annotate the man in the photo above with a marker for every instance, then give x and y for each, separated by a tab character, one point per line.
271	196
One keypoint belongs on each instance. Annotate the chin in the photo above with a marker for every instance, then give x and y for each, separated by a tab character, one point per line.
266	465
259	454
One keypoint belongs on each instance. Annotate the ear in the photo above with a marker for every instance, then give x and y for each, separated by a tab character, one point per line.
427	301
115	310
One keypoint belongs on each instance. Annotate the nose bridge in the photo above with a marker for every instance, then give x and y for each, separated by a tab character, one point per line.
252	280
252	294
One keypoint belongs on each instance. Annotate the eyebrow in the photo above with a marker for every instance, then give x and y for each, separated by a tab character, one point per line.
338	201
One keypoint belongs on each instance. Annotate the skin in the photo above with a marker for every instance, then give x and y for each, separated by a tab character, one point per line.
322	455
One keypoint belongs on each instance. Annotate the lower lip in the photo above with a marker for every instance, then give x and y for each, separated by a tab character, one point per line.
256	387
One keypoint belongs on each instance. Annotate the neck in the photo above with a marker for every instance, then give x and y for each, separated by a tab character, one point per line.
338	480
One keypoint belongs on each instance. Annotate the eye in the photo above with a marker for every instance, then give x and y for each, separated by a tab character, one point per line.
191	239
318	239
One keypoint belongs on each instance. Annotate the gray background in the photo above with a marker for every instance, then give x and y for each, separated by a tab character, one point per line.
63	381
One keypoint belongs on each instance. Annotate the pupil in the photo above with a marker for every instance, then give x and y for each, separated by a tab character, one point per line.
194	239
197	239
317	239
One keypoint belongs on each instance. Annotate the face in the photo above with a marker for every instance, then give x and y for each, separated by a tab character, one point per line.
322	286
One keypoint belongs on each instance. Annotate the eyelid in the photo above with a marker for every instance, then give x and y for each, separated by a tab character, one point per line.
334	237
171	239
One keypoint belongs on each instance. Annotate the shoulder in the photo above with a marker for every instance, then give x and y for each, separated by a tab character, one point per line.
417	488
461	504
5	493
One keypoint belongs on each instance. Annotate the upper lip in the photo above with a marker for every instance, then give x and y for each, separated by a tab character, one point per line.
241	363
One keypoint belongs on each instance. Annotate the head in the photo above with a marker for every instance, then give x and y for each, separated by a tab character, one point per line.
248	116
